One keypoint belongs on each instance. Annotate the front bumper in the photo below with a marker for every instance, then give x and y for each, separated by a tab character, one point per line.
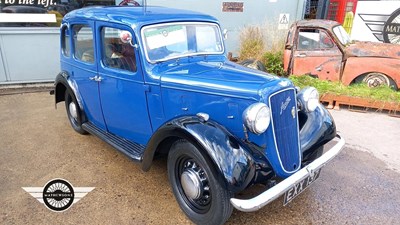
256	203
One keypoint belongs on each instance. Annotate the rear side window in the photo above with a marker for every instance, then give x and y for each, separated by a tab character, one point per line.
65	44
83	43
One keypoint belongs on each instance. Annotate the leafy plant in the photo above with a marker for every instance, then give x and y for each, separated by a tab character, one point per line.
273	62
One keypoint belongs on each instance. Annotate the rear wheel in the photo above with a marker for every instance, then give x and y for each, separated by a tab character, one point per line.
73	112
199	192
378	79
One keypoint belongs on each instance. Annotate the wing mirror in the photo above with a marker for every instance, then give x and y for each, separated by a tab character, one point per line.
126	37
225	34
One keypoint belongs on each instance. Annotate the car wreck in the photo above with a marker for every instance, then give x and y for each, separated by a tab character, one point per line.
323	49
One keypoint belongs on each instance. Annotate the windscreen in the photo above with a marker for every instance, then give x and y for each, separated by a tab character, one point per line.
175	40
342	35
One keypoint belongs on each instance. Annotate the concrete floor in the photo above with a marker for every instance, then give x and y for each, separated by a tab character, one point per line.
37	144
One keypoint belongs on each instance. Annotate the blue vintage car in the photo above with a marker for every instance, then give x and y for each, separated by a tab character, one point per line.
156	81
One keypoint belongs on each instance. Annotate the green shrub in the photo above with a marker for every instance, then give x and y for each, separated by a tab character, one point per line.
273	62
382	93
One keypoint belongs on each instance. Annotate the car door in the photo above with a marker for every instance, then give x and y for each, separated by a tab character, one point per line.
287	53
84	71
316	54
122	88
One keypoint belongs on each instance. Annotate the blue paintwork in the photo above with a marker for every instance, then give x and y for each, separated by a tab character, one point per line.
318	129
79	72
123	97
136	16
157	104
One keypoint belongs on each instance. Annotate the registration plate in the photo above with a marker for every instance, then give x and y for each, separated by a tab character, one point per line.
300	186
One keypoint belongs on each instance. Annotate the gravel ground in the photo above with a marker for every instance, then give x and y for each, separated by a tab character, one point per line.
37	144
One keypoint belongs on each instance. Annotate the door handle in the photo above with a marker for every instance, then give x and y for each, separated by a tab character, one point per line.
301	55
98	78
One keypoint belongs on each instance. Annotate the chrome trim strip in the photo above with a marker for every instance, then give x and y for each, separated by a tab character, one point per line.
298	128
256	203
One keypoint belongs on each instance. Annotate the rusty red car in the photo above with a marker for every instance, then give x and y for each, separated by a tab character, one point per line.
323	49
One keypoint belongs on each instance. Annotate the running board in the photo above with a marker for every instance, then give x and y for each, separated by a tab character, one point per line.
131	149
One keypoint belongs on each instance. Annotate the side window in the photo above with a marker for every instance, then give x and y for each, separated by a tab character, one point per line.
83	43
65	44
314	39
117	52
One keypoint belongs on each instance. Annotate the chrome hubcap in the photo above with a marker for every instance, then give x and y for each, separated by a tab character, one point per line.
194	184
375	80
191	184
72	110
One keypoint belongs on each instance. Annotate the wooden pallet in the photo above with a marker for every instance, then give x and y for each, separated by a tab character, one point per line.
337	101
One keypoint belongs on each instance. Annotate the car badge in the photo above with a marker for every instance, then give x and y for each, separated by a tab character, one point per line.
293	112
285	104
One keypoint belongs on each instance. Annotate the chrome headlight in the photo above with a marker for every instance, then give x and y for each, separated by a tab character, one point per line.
257	117
308	99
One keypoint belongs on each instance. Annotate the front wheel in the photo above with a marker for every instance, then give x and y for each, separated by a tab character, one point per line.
199	192
73	112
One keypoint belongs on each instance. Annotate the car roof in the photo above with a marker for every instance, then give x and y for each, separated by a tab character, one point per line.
137	16
327	24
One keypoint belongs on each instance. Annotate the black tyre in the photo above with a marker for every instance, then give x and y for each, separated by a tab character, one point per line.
73	112
254	64
196	186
